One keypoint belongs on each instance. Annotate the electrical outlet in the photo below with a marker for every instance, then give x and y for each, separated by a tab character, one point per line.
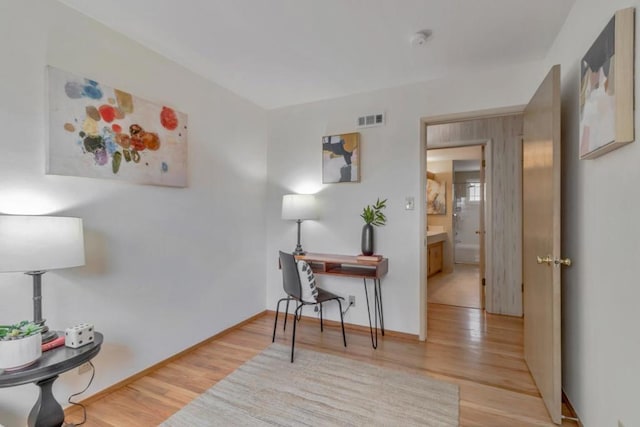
85	367
352	300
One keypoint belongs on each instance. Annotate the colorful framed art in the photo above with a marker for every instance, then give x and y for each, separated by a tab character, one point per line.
101	132
341	158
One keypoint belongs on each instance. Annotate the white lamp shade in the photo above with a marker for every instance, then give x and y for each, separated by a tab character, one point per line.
299	206
40	243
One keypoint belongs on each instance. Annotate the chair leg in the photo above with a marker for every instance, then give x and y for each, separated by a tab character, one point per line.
344	337
275	324
295	322
286	314
321	325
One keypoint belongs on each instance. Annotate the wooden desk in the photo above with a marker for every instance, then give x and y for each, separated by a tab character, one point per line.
351	266
47	411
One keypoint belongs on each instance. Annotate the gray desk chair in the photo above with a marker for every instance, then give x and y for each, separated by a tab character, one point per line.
293	289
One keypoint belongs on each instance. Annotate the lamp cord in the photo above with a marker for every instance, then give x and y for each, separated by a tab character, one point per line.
84	409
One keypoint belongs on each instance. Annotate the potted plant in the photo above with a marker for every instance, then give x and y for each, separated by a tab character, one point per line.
372	216
20	345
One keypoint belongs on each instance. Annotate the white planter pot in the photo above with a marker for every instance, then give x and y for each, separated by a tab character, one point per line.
16	354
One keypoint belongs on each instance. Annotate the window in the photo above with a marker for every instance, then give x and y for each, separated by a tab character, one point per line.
473	191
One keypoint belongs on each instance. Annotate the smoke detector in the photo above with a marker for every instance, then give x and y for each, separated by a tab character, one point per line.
420	38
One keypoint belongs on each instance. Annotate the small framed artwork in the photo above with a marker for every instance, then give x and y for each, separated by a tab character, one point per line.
606	88
436	197
341	158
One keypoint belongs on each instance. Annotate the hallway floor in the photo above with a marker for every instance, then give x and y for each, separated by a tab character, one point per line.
459	288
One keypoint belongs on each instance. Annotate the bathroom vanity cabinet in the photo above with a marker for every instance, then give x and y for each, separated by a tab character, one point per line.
434	258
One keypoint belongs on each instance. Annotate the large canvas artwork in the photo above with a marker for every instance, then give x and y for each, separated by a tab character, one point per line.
341	158
101	132
606	88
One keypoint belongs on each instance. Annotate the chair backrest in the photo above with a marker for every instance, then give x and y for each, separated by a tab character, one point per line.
290	279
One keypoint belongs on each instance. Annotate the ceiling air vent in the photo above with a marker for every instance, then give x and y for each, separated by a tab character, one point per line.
371	120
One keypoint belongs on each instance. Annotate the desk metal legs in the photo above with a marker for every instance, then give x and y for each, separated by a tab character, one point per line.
377	309
379	295
47	412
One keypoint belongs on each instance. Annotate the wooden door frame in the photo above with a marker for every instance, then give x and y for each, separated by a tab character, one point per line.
424	146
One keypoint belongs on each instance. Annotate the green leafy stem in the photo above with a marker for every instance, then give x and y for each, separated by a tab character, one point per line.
373	214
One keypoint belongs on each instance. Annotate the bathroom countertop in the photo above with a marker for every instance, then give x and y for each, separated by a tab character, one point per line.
435	236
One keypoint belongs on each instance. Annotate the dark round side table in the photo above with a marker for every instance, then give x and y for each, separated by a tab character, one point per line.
47	412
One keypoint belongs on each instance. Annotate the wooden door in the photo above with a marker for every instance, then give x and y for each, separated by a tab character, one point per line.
541	241
481	228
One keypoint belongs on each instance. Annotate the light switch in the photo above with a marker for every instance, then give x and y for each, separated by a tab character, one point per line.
409	203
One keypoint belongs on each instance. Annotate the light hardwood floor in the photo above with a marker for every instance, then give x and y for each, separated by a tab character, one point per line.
482	353
460	287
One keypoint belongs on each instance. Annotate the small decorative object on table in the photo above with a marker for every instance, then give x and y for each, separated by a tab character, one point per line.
372	215
79	335
20	345
55	343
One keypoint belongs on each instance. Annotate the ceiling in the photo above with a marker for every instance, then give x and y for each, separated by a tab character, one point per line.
285	52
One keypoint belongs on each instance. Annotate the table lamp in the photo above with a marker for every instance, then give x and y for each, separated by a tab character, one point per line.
36	244
299	207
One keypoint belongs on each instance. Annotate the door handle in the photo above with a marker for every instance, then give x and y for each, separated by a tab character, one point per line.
549	260
562	261
545	260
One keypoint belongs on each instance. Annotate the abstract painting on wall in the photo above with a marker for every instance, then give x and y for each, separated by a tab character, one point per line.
101	132
341	158
606	88
436	197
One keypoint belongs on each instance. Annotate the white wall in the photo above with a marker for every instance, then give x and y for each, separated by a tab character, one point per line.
601	341
391	158
166	267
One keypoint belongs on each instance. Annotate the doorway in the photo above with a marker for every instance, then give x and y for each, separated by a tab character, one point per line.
532	130
500	132
455	225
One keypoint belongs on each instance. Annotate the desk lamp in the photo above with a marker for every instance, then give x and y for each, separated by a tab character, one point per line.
36	244
299	207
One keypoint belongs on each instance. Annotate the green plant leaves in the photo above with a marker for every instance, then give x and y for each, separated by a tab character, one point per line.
19	330
373	214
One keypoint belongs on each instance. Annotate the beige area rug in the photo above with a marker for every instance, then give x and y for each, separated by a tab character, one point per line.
320	390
